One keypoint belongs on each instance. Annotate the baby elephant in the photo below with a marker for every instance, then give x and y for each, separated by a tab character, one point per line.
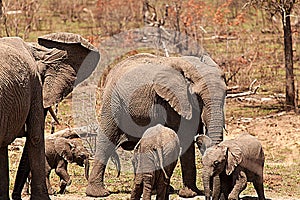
61	151
230	165
155	157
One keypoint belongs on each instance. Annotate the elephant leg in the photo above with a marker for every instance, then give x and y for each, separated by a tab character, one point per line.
4	183
36	148
22	174
51	191
226	184
137	190
162	187
188	168
61	171
259	187
96	186
148	186
240	178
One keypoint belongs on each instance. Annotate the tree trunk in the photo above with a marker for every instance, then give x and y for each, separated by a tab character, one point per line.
288	55
1	8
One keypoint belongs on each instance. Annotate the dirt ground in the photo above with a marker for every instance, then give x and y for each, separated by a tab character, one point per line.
279	133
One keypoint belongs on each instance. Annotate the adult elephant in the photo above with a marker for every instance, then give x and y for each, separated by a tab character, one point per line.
33	77
182	93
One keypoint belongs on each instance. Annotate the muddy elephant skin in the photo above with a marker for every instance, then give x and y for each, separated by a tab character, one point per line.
182	93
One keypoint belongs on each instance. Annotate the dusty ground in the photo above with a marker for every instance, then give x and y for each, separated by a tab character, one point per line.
279	133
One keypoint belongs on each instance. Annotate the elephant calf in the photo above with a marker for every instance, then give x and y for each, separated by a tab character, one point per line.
155	157
61	150
231	164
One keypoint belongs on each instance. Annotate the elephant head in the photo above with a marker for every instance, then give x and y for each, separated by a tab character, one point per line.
208	85
73	151
217	159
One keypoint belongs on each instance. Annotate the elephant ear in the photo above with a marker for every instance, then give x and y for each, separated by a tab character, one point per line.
64	148
69	61
203	142
234	157
172	87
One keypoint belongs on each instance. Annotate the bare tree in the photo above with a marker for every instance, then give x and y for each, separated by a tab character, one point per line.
284	8
0	8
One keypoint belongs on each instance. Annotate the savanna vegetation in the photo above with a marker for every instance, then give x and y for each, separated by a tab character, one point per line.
246	38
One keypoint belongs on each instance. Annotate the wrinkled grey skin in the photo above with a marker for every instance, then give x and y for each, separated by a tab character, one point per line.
154	160
33	78
60	152
236	162
182	93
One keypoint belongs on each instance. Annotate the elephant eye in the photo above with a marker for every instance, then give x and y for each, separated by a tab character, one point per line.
216	163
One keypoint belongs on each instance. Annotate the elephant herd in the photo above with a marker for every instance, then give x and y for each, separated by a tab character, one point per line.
150	104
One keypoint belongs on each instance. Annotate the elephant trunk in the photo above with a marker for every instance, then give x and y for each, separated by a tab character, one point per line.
87	168
214	121
216	188
206	183
212	92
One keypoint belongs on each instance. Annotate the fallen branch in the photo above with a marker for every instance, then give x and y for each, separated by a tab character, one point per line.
252	90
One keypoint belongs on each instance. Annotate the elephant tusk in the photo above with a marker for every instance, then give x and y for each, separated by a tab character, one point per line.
53	115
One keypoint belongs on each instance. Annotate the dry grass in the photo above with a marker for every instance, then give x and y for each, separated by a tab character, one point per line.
252	55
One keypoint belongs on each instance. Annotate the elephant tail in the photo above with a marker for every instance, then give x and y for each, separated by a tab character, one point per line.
160	157
116	160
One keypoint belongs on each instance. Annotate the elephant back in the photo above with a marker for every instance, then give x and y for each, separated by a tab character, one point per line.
162	139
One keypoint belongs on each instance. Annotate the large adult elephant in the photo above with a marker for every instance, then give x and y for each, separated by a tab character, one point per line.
33	77
182	93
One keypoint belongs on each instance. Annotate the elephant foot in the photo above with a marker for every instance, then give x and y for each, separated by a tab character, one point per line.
96	191
187	192
63	186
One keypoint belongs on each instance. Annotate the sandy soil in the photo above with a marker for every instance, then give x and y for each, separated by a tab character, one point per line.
279	134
